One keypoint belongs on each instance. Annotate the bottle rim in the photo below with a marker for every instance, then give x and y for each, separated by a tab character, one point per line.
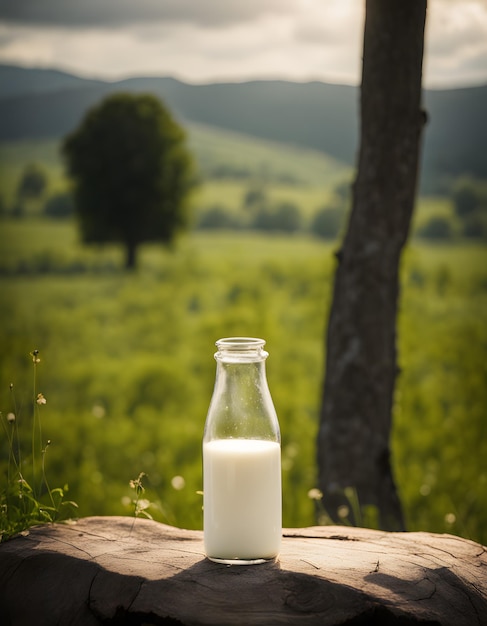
240	343
241	349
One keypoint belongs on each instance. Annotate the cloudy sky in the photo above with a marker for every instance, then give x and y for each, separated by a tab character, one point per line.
220	40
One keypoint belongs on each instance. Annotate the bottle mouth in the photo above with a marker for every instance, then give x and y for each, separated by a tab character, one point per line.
240	343
241	348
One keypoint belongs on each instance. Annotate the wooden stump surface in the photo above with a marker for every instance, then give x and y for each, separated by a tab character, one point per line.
110	570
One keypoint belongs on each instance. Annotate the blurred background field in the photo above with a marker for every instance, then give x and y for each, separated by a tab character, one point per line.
127	364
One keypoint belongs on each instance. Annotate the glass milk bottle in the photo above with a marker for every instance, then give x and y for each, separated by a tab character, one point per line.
241	459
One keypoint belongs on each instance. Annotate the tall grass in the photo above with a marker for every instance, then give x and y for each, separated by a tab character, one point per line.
128	365
26	497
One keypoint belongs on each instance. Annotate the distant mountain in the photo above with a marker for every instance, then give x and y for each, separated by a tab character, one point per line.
456	133
314	115
18	81
44	103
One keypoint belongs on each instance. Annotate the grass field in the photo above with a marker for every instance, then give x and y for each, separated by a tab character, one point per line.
285	173
127	364
127	359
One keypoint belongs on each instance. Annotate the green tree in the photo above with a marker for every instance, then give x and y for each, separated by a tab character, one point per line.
465	196
283	217
131	171
254	198
217	216
30	189
475	225
32	183
263	219
327	222
287	217
59	205
437	227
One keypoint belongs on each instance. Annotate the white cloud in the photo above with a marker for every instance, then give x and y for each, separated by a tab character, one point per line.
325	23
456	43
80	13
228	40
268	47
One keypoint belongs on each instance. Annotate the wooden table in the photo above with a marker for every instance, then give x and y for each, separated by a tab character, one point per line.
111	570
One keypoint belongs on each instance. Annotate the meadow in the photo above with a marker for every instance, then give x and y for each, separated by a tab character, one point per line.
126	359
127	365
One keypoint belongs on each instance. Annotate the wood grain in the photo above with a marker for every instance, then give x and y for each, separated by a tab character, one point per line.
107	570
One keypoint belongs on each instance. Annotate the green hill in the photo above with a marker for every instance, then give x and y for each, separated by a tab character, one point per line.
229	164
313	115
225	154
18	81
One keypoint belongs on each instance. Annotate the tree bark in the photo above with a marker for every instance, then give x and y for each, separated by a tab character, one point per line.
130	255
361	361
105	570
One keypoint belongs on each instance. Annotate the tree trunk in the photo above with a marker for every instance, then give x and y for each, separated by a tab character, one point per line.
361	361
130	255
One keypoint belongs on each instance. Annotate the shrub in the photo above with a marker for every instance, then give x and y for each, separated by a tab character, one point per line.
33	182
60	205
287	217
263	219
327	222
216	217
467	196
438	227
475	225
254	197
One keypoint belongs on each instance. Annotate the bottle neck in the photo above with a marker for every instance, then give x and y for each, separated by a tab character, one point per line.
241	405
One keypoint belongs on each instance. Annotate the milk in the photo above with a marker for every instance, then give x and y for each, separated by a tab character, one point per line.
242	499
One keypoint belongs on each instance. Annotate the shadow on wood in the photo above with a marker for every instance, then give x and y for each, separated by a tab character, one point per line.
100	570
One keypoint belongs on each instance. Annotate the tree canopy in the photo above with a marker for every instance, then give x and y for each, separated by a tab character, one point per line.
33	182
131	171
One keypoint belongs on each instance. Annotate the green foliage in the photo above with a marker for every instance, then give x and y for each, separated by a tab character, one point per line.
285	217
350	514
270	166
263	218
128	366
15	157
468	196
217	217
475	225
438	227
255	197
327	222
33	182
24	504
131	172
442	391
30	188
60	205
